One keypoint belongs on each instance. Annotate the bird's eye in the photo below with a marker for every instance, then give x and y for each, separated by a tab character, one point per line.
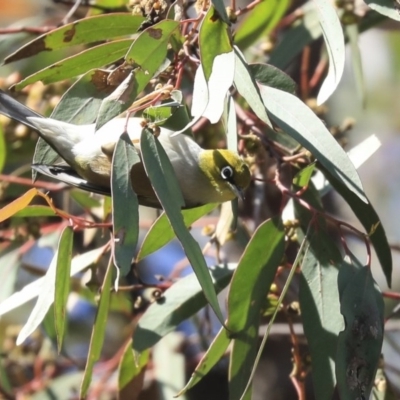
227	173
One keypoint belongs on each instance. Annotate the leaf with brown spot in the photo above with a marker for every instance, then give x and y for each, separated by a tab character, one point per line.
84	31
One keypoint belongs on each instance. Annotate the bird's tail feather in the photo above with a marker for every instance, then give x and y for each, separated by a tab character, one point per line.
15	110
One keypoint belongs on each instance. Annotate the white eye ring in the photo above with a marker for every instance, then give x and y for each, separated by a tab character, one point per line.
227	173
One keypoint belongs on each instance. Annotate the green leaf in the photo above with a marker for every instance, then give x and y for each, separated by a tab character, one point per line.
248	88
131	366
334	41
387	8
35	211
214	353
368	217
360	344
147	56
243	354
320	308
260	21
181	301
62	283
162	176
296	119
247	294
125	204
356	61
80	63
214	39
250	286
84	31
81	102
303	177
271	76
98	331
161	231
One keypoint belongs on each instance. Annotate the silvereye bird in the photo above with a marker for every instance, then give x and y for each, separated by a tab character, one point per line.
204	176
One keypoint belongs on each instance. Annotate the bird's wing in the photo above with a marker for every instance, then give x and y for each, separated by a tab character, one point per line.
66	174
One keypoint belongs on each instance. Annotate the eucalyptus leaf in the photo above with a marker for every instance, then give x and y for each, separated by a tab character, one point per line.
80	63
84	31
296	119
162	176
334	41
181	301
125	204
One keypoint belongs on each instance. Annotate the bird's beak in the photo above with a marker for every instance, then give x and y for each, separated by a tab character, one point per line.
238	191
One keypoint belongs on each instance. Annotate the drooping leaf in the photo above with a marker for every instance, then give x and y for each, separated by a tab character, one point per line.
334	42
181	301
62	283
320	308
248	88
98	331
162	176
84	31
125	204
80	63
296	119
209	96
248	291
260	21
360	344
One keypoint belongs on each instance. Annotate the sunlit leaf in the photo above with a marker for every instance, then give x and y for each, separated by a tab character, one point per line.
214	39
84	31
80	63
259	22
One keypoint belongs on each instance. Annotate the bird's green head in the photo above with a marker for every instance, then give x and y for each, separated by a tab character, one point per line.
227	172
